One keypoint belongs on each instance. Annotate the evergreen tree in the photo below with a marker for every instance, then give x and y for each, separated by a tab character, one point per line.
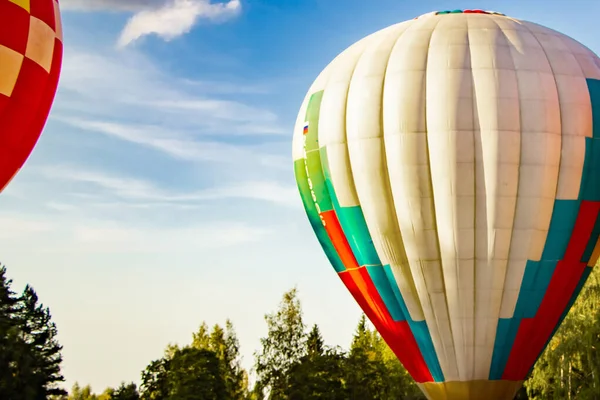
314	342
365	368
319	374
30	355
125	392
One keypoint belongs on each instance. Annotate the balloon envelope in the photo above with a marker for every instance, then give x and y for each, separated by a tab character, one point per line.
450	168
30	61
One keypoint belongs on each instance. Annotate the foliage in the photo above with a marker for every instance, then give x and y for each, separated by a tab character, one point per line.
30	355
569	368
292	364
284	346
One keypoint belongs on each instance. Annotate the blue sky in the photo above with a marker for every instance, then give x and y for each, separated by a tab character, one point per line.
161	193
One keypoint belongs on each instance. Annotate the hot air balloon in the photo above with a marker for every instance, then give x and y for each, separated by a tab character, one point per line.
450	168
30	62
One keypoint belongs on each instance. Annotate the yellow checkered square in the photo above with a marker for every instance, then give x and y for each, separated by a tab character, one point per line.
40	44
10	66
22	3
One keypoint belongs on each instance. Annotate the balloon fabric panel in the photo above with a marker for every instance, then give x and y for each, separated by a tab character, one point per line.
320	200
449	168
30	60
551	285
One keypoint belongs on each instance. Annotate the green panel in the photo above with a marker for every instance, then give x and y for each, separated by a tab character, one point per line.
313	216
313	156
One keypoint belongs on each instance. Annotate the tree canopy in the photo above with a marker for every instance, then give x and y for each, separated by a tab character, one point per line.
294	361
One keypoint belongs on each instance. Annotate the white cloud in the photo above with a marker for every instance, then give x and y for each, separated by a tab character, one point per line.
181	145
92	235
115	238
145	193
129	86
175	18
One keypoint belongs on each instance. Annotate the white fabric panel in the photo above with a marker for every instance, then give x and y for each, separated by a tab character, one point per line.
367	156
450	125
496	151
318	85
539	164
405	137
332	120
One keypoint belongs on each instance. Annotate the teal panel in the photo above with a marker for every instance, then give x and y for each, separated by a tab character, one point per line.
590	180
563	221
382	284
352	221
589	249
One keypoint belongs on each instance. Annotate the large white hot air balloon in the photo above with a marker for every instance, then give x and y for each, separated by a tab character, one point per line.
450	167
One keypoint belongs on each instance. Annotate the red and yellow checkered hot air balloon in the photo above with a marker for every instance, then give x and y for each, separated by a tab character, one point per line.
30	61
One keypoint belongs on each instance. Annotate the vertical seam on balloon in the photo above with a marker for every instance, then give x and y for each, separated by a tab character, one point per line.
389	186
510	248
559	109
474	118
433	200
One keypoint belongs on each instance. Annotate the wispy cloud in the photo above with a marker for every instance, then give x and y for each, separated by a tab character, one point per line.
93	235
180	144
175	19
130	86
140	190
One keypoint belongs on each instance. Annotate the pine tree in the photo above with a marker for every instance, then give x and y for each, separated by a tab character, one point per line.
39	334
314	342
30	355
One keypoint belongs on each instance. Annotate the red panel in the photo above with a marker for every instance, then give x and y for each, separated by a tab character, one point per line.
45	104
338	238
17	120
397	334
534	333
4	100
44	10
14	26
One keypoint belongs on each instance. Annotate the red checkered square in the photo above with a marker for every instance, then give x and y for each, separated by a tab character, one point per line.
14	26
30	83
44	10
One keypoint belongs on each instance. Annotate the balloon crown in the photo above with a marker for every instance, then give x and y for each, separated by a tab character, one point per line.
462	12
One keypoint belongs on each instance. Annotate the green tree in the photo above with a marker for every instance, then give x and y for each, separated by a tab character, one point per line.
8	337
314	342
319	374
82	393
569	368
195	374
400	385
284	346
124	392
366	371
30	355
186	374
224	343
155	384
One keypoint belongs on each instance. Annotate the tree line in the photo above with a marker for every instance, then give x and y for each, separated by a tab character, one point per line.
293	362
